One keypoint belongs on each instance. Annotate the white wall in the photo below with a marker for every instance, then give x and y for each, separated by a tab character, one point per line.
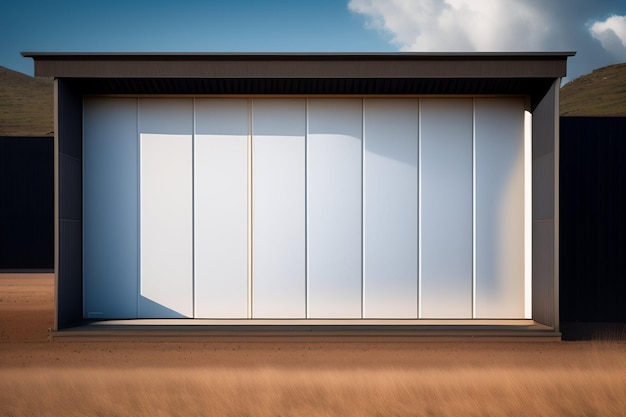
279	235
390	199
446	208
304	208
221	208
334	207
166	284
499	208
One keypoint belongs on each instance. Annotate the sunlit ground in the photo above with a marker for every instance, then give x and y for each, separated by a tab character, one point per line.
42	378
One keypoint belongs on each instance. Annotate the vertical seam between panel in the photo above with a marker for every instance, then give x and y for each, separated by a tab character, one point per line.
250	208
419	208
417	214
474	208
306	200
362	207
139	240
306	208
82	191
193	210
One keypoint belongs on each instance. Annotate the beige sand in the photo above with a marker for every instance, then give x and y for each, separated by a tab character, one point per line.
43	378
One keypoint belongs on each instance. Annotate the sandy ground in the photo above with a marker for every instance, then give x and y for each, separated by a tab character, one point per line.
43	378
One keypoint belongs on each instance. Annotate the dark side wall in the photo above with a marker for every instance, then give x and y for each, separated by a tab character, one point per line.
26	203
592	222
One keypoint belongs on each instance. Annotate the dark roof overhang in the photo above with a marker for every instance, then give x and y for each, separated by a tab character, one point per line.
529	74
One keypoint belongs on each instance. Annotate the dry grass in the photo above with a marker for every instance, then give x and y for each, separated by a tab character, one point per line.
203	378
509	391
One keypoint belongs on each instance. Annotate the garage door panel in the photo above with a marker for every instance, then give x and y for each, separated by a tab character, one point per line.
221	208
500	208
166	208
279	267
446	204
334	208
390	235
323	208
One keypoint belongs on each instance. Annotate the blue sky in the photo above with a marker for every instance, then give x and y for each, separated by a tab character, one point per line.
180	26
596	29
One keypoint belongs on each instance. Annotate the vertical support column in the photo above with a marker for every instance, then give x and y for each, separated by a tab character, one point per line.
68	205
545	207
556	171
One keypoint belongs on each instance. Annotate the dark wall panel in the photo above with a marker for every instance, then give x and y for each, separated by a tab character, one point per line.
593	220
69	295
26	203
69	291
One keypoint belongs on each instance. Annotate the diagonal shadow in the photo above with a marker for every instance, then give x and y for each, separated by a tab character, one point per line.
149	309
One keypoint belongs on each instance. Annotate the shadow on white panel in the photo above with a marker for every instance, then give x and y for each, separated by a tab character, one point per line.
390	208
221	208
166	207
334	208
446	203
110	207
500	259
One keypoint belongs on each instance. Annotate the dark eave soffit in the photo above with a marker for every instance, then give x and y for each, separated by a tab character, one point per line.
534	88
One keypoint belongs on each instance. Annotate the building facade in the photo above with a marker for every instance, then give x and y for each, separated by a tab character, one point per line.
361	189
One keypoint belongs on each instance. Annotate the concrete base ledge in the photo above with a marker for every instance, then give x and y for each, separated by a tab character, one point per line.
164	331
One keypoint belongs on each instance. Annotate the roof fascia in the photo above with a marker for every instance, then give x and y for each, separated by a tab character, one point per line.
300	65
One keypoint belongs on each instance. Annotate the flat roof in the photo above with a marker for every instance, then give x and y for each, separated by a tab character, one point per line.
530	74
300	65
314	55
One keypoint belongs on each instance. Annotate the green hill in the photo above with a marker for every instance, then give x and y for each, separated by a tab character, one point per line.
26	104
601	93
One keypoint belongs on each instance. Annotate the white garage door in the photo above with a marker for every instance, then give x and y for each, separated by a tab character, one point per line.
287	208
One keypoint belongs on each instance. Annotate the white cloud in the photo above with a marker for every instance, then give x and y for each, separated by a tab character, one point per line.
612	35
503	25
456	25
